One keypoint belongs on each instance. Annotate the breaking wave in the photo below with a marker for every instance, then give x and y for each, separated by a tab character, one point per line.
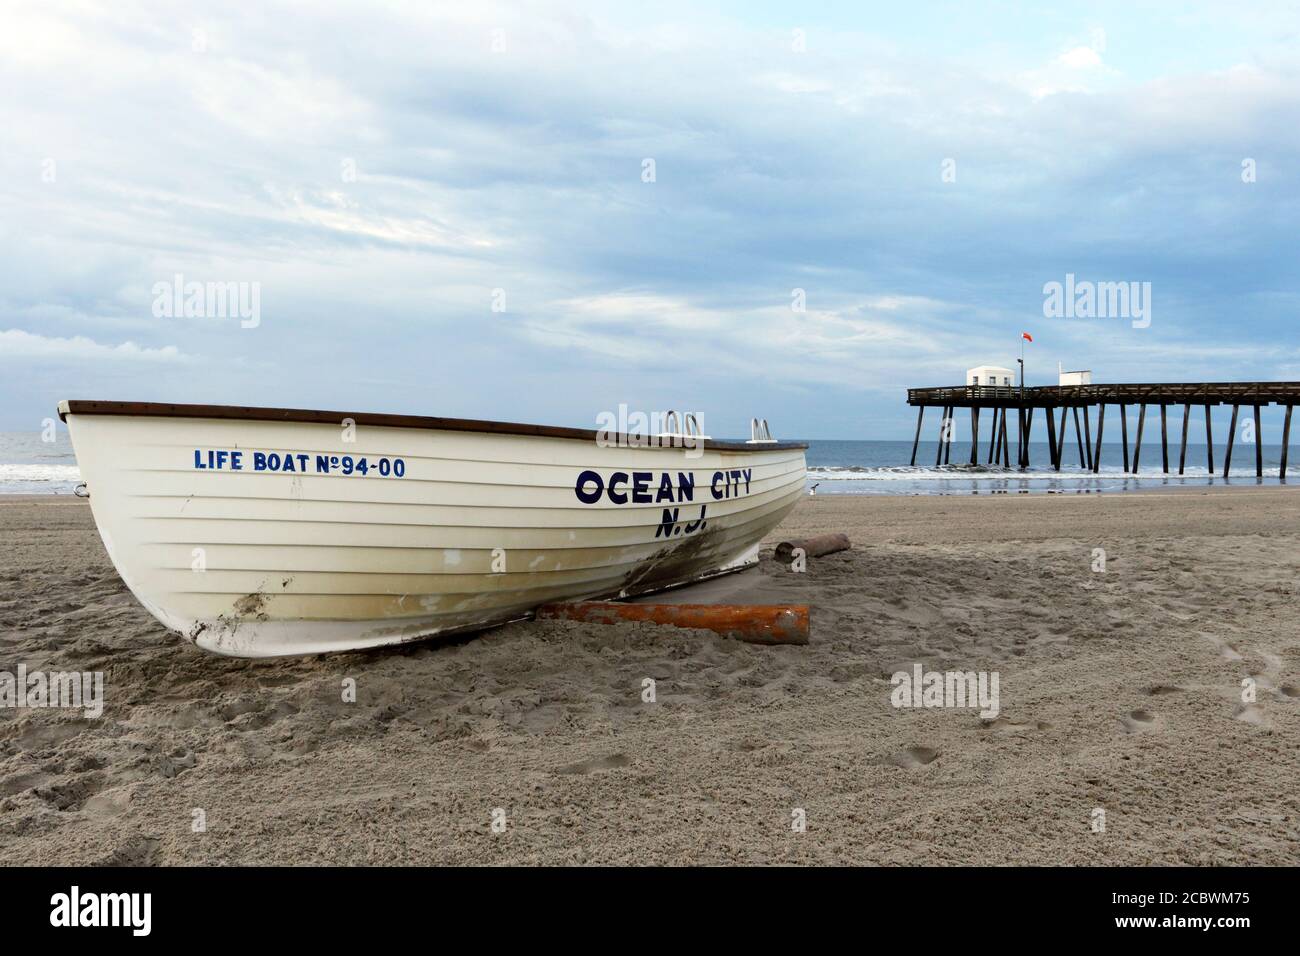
38	479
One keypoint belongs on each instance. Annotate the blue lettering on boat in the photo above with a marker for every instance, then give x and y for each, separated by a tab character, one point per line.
219	459
726	484
670	523
618	478
580	487
650	487
641	487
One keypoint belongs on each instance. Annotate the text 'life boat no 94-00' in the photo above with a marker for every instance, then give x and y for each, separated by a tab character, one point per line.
262	532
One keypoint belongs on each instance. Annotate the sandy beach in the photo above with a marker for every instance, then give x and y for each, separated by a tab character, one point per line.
1119	690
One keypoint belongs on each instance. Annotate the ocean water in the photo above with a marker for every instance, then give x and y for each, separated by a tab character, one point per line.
29	465
881	468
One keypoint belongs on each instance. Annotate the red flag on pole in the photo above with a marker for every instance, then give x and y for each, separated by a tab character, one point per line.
1026	336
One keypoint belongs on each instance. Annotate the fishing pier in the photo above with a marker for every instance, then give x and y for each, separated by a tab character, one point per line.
1069	399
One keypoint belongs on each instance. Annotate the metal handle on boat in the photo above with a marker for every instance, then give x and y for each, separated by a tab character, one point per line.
81	491
759	432
692	425
677	425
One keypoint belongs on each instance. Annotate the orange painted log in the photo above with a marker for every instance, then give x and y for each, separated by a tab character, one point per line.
754	623
813	547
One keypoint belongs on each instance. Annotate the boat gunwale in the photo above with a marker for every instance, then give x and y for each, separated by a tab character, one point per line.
387	420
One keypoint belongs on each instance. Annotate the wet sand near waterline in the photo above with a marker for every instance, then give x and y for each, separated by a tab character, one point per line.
1119	691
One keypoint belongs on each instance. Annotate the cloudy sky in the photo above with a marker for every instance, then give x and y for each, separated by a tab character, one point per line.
539	211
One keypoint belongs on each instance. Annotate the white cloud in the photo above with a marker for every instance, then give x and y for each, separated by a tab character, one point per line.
17	344
1080	58
1077	70
850	343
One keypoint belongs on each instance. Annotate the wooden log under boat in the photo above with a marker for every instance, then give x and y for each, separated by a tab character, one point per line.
752	623
813	547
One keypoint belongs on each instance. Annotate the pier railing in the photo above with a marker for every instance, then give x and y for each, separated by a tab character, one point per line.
1054	396
1073	398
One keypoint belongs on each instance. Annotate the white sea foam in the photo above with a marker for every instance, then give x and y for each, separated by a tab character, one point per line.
967	473
38	479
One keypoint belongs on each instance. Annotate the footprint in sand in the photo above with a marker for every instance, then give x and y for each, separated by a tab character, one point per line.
108	803
1227	651
137	850
1160	690
1254	715
612	762
1142	721
71	792
1005	725
40	736
1289	690
912	757
19	782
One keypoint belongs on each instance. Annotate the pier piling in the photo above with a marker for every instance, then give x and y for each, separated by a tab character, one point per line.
1020	437
1078	436
1051	439
1123	431
1101	423
1087	437
1259	447
1182	452
1209	443
1029	428
1286	441
943	425
1232	434
1137	445
1060	439
1164	440
920	414
1006	448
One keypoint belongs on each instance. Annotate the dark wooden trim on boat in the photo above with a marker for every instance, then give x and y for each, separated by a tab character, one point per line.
167	410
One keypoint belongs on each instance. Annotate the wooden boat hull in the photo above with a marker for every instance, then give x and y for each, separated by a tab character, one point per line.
264	532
